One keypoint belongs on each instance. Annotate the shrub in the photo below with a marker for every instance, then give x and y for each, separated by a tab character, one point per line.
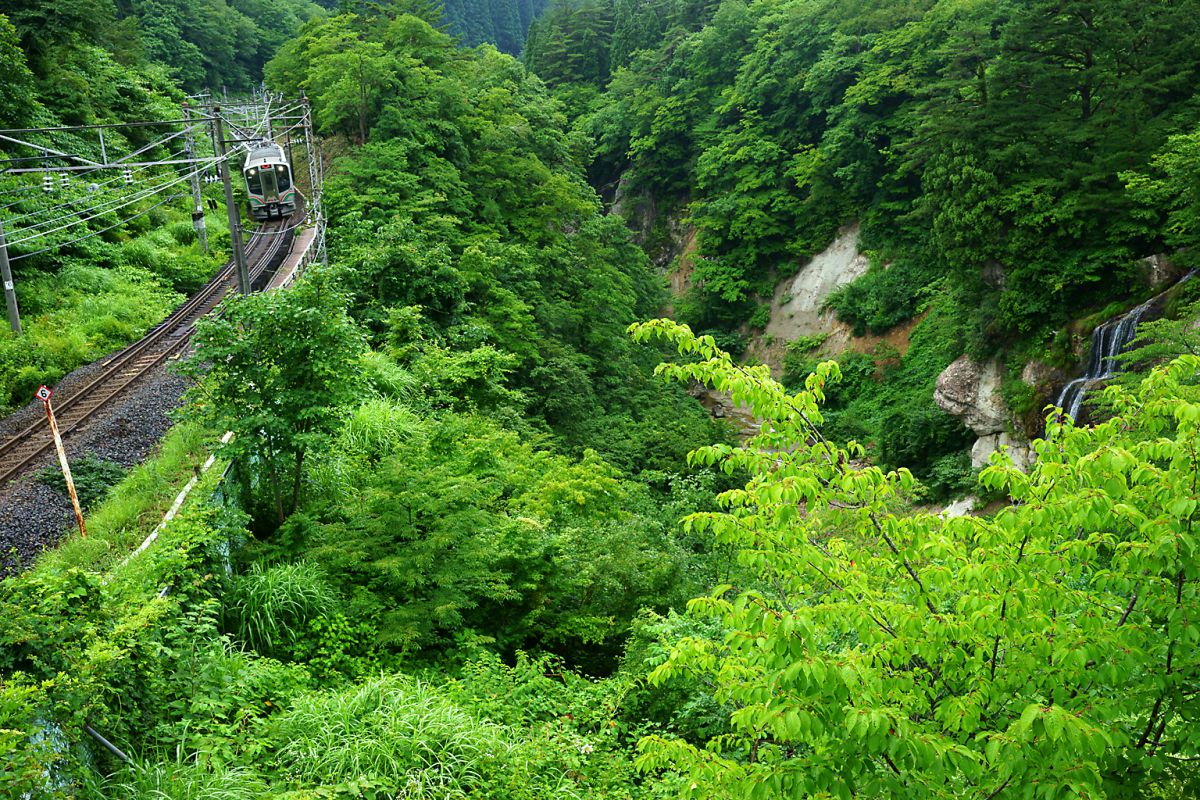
271	606
884	297
93	478
182	232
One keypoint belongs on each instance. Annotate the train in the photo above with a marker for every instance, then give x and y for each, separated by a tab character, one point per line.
269	186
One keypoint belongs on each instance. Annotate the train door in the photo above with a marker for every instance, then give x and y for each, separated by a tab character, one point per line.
269	185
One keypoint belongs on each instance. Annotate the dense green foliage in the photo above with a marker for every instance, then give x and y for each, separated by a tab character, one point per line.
1009	163
1045	651
478	257
199	43
503	23
461	519
469	459
984	140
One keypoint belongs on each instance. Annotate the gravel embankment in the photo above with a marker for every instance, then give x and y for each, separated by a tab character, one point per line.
34	516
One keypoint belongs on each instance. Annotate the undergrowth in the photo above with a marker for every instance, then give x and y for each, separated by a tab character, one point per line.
99	301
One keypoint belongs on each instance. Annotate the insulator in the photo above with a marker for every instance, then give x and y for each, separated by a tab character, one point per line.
47	183
128	176
64	181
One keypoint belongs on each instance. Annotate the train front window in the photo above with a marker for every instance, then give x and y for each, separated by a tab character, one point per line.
282	178
253	184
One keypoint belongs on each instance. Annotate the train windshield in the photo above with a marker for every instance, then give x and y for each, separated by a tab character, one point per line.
282	178
253	184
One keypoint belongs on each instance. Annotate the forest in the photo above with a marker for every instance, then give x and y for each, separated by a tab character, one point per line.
472	534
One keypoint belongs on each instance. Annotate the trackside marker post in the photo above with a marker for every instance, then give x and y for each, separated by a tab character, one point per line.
44	394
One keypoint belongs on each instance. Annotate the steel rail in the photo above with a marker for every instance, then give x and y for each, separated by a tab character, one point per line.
132	363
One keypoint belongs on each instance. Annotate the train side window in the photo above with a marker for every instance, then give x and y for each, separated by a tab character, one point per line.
253	184
281	176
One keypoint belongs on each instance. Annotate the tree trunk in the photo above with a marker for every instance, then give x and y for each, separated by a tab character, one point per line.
296	481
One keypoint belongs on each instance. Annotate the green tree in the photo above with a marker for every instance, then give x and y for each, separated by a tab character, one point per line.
1168	194
278	370
881	652
349	78
18	102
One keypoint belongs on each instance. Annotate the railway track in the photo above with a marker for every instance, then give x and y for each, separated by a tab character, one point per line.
128	366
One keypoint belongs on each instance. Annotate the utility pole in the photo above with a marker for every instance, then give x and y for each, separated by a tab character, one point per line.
315	178
10	293
197	198
235	219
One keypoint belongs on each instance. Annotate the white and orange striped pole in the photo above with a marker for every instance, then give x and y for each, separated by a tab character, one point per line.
44	394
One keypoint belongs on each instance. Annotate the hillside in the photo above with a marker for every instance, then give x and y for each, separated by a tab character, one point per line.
456	520
503	23
1009	165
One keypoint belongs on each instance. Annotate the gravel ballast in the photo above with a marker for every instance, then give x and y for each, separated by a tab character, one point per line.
33	516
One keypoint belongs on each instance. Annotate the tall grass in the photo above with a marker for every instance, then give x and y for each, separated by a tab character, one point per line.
181	779
375	429
270	606
134	506
388	378
392	728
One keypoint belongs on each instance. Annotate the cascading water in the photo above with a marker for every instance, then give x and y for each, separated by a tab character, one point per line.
1108	341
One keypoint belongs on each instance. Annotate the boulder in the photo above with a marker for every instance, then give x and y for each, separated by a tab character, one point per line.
1039	375
721	406
1159	271
1018	448
961	507
971	391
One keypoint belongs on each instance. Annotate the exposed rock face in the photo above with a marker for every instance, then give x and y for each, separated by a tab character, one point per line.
721	406
797	307
1020	450
971	392
1037	374
1159	270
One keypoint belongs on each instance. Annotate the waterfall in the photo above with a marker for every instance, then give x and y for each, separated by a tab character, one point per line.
1108	341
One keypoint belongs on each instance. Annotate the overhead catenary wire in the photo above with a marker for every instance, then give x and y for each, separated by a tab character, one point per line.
89	235
254	123
83	172
92	212
47	152
114	204
136	198
119	177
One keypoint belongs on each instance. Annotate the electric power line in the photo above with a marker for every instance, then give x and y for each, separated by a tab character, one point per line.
104	230
121	176
143	195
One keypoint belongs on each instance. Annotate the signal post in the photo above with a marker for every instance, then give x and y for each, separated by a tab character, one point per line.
235	218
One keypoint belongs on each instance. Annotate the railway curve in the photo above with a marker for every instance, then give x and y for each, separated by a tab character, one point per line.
127	367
